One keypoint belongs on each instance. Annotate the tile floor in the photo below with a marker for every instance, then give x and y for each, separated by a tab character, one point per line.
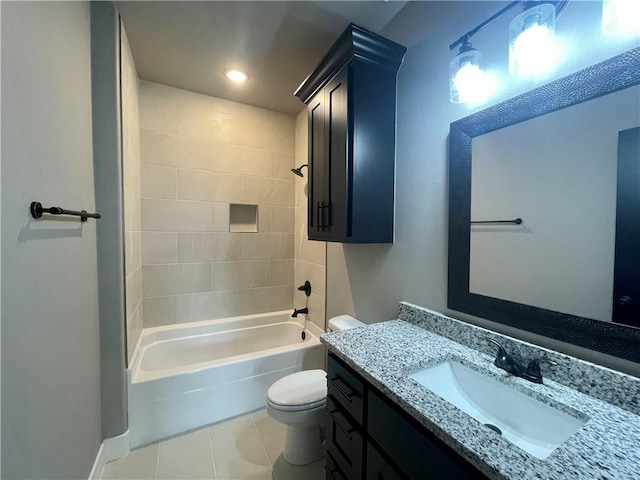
243	448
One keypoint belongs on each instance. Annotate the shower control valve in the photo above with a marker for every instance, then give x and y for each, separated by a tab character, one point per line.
306	288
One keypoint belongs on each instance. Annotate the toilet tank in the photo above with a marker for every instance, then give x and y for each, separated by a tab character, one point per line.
343	322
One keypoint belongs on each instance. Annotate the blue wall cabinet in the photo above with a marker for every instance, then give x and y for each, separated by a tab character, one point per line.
351	99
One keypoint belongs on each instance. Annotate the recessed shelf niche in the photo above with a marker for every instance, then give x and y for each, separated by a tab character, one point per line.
243	218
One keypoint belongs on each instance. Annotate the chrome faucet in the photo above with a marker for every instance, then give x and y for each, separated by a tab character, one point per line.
296	311
507	363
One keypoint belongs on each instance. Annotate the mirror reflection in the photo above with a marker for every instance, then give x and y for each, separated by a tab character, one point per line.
559	173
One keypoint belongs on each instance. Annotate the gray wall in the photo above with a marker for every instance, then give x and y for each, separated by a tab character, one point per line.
131	186
50	348
107	146
368	280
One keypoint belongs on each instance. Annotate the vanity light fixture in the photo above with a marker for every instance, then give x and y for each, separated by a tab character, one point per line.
237	76
532	43
621	17
532	49
467	82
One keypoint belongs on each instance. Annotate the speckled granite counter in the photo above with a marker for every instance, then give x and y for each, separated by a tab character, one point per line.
607	447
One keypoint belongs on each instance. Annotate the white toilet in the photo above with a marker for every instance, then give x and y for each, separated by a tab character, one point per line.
298	400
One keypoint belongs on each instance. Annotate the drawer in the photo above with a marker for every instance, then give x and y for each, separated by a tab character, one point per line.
345	443
332	469
346	388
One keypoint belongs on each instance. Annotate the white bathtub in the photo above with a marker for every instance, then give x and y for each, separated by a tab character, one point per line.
189	375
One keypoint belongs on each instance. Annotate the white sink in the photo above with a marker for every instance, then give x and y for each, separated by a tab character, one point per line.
535	427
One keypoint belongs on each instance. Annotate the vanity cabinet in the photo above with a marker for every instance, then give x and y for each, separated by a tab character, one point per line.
369	437
351	101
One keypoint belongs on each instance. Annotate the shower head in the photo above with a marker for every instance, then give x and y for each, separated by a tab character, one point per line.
298	171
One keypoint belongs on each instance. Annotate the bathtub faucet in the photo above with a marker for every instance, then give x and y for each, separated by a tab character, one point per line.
297	311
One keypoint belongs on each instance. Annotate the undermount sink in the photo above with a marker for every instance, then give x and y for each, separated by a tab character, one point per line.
535	427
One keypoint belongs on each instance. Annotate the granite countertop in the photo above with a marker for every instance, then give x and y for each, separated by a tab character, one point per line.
606	447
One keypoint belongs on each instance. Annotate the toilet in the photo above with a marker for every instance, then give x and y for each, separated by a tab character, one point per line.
298	400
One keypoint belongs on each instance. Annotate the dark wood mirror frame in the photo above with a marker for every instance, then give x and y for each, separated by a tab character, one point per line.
616	73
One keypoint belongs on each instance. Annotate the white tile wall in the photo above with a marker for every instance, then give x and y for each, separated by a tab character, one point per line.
309	256
198	155
209	247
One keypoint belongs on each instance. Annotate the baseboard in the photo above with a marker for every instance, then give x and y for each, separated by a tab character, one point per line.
110	449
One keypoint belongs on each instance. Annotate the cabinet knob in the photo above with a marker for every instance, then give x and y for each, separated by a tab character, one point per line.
624	300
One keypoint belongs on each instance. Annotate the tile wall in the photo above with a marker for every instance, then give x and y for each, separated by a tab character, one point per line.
310	256
199	154
131	174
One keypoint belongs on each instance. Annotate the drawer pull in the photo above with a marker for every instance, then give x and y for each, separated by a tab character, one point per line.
344	393
335	474
347	430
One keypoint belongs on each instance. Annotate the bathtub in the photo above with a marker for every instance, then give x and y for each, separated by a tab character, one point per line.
188	375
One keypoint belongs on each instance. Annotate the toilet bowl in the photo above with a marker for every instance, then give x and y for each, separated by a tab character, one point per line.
298	401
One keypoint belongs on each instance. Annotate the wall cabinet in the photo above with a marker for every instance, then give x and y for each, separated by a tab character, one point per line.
351	100
369	437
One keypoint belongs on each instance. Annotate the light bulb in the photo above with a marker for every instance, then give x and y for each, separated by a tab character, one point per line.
532	44
621	17
237	76
468	83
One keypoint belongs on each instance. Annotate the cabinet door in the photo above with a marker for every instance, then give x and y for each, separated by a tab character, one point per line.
316	165
378	468
337	170
417	452
329	207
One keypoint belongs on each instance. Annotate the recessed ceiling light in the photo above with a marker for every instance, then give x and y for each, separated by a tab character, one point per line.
237	76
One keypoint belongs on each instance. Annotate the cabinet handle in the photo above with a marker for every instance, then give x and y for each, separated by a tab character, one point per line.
345	393
319	217
322	223
347	430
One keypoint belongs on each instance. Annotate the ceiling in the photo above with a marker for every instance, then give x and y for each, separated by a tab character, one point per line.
189	44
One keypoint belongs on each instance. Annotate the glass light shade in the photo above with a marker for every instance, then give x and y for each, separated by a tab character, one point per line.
621	17
532	44
467	83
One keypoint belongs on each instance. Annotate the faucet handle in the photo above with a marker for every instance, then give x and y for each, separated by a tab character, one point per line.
533	373
501	351
534	365
504	361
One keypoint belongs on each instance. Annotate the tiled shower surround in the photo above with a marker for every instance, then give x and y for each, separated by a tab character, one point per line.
199	154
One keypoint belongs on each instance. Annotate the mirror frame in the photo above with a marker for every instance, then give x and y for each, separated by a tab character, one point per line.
616	73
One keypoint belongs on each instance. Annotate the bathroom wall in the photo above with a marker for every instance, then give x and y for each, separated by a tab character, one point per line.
50	331
310	256
199	154
368	280
131	181
107	172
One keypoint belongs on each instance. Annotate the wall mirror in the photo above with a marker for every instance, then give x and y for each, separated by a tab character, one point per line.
555	174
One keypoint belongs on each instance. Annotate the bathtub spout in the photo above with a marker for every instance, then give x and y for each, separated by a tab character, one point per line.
297	311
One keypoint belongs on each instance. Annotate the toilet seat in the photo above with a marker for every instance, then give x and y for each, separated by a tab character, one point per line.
299	391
